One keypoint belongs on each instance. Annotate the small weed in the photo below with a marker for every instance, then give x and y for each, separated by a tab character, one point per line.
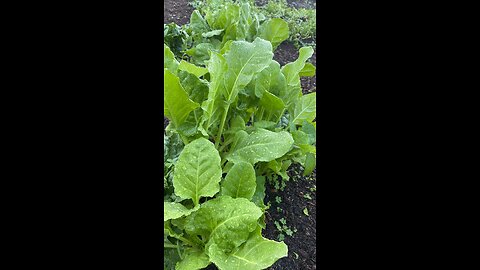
278	199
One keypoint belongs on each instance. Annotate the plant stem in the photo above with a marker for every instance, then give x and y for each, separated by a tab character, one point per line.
169	246
222	124
178	250
226	143
184	240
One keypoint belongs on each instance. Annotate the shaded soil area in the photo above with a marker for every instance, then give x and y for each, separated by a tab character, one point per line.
298	195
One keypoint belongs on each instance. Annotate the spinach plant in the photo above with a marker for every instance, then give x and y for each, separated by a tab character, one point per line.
221	22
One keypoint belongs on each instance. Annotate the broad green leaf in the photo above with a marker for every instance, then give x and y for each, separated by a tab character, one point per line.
274	30
239	137
237	124
244	60
194	259
270	80
264	124
257	253
198	23
191	68
197	89
201	52
309	164
197	172
177	105
292	70
274	107
226	47
224	221
300	137
283	172
169	60
173	210
240	181
214	105
305	109
308	70
261	145
244	21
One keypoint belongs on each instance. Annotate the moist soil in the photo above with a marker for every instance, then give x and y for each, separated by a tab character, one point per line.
299	189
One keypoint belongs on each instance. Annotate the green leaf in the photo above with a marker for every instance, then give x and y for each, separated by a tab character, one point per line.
175	99
240	181
308	70
214	105
224	221
274	30
264	124
173	210
197	23
259	194
197	172
309	129
236	124
169	60
191	68
257	253
292	70
305	109
270	80
194	259
261	145
244	60
201	52
274	107
197	89
305	211
309	164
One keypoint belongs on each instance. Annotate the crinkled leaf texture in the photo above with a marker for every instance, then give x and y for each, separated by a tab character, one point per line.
257	253
261	145
198	172
240	181
226	222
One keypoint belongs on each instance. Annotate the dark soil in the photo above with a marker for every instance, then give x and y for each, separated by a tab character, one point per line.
302	244
177	11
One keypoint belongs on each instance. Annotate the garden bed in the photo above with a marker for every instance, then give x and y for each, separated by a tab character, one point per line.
295	206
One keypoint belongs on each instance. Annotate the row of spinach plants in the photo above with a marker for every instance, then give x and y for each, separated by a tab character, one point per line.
236	119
